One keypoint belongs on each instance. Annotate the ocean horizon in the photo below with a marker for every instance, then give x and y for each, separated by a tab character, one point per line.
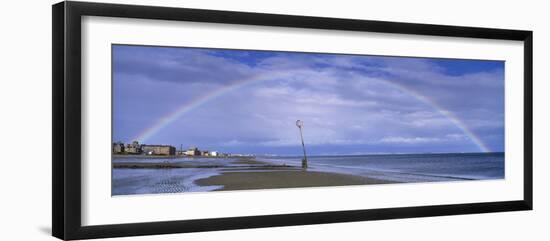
412	167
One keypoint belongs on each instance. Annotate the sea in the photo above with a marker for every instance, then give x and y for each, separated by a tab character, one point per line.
404	168
408	167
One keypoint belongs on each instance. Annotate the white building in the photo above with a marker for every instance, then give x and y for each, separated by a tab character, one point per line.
214	153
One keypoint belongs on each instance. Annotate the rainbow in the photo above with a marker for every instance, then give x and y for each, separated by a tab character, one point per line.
191	105
447	114
212	95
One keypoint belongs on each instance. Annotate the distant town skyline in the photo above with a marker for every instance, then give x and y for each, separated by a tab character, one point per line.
246	101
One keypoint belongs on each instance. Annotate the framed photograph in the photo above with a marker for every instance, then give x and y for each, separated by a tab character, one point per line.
170	120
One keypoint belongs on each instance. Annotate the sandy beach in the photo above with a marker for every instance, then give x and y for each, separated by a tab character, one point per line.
133	176
261	175
263	179
142	175
171	175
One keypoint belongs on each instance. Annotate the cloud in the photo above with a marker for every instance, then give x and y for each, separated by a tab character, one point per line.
366	102
179	65
409	140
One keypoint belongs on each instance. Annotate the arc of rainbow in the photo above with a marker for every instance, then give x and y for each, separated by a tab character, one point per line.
191	105
442	111
199	101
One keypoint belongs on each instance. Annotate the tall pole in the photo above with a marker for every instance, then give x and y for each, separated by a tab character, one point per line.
300	124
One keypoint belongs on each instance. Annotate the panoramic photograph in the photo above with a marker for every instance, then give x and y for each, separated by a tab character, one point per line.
188	119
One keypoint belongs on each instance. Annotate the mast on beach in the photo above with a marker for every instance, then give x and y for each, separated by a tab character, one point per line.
300	124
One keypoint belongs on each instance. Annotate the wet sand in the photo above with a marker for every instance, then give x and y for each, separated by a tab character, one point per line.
249	161
273	178
246	173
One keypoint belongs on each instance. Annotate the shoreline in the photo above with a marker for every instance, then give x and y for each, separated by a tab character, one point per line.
184	174
236	163
141	156
249	173
138	165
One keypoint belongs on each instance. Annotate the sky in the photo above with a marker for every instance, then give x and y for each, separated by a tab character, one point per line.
247	101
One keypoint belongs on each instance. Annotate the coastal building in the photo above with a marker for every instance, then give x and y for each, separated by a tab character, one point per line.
214	153
118	148
158	150
205	153
193	151
133	148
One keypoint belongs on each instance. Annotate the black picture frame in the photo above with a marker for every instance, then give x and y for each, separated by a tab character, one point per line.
66	158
